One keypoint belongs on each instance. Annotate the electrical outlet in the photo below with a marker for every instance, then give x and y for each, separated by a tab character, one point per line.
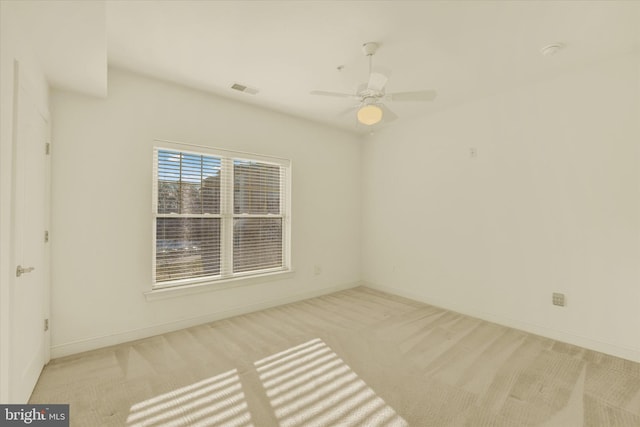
558	299
317	270
473	152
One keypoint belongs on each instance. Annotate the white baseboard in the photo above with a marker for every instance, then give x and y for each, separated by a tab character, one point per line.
558	335
79	346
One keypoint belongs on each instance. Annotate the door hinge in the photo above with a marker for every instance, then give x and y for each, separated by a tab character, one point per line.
46	325
46	236
47	148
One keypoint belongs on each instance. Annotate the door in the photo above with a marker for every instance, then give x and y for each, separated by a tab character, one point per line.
30	285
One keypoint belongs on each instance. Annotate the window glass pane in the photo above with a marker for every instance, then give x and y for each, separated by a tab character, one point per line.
210	185
256	188
188	183
257	243
187	247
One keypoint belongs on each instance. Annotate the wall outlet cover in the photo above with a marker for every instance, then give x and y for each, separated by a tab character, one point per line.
558	299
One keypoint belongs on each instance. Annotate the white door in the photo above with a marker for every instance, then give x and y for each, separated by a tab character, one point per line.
30	285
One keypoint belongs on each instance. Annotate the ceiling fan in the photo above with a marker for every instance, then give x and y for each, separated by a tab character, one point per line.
371	109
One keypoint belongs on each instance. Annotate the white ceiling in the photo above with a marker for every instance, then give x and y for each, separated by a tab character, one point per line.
464	50
69	38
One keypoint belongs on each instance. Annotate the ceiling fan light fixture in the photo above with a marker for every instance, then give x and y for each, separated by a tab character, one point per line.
369	114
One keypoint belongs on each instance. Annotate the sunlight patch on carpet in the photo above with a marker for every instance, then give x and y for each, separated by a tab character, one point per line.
310	385
217	400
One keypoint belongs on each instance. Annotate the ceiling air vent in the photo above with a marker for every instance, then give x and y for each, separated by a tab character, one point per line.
245	89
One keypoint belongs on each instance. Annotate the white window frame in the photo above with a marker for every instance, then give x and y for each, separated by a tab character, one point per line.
226	276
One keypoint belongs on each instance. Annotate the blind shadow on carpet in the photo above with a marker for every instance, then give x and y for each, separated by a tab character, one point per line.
306	385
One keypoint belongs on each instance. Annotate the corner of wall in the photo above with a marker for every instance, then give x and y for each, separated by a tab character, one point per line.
628	353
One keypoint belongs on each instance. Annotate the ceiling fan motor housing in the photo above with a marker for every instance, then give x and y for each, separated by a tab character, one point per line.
368	100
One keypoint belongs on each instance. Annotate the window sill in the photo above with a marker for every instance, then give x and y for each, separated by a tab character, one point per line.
218	285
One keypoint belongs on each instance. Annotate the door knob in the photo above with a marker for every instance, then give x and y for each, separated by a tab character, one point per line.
20	270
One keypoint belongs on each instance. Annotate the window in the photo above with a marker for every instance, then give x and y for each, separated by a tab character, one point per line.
218	215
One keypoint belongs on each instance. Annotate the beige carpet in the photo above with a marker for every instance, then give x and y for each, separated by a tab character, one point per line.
357	357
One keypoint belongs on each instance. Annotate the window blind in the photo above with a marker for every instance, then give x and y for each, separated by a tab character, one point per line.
218	216
257	225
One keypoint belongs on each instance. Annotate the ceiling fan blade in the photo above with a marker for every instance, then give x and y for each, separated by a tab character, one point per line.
348	111
334	94
418	95
377	81
387	114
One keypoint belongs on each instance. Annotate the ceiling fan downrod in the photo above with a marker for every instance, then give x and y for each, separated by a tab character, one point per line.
369	49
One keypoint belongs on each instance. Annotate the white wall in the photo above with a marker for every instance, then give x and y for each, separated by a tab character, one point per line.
101	209
13	50
551	204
